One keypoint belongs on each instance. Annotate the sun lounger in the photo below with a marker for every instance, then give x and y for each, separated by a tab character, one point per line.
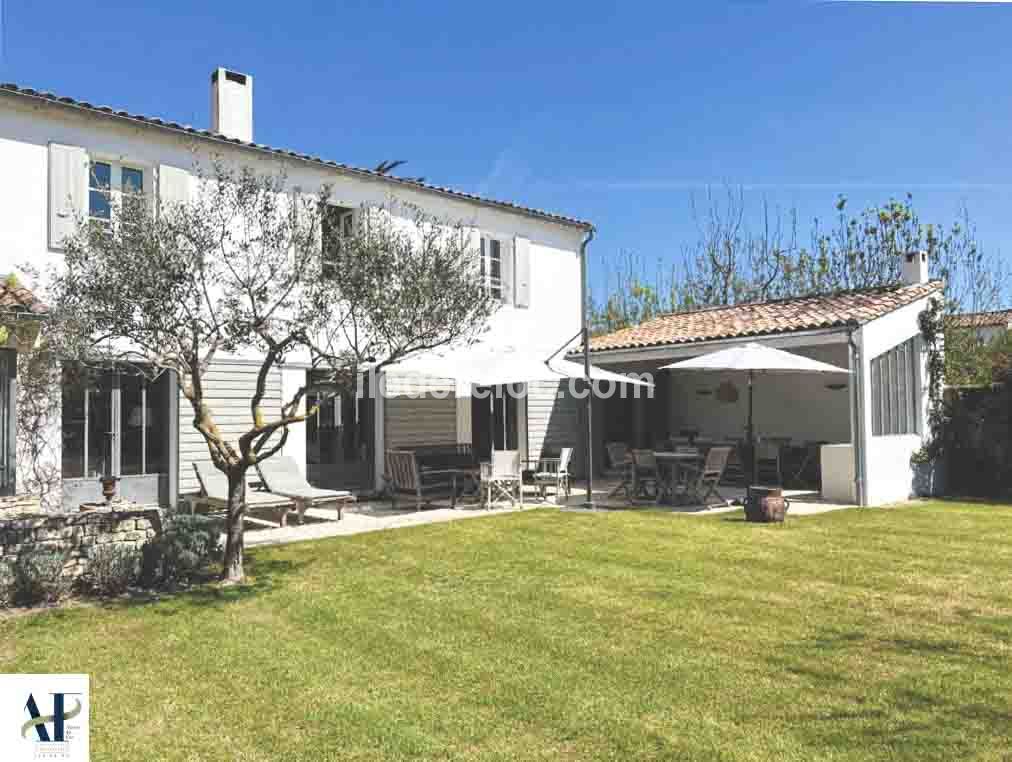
281	476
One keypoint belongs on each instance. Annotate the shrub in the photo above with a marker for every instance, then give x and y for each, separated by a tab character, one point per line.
186	545
112	569
38	578
6	583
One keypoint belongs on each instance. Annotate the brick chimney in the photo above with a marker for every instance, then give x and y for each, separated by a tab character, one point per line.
232	104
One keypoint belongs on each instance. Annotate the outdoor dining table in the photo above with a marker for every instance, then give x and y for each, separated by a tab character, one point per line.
669	465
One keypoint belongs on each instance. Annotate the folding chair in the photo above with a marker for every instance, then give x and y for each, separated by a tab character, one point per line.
501	479
702	482
554	472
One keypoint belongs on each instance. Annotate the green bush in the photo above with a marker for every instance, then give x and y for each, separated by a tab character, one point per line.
6	583
38	578
112	569
186	545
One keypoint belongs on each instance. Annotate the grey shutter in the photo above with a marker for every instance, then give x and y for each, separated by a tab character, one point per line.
506	255
68	191
173	186
522	272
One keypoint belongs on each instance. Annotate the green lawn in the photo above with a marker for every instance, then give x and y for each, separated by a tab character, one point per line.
857	635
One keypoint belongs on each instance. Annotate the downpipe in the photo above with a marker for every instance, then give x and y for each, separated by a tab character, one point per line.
857	418
585	335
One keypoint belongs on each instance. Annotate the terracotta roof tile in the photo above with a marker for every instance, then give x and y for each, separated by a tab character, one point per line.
765	318
20	299
28	92
1001	318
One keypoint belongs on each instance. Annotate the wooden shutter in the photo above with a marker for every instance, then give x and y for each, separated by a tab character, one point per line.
522	272
68	191
506	256
173	186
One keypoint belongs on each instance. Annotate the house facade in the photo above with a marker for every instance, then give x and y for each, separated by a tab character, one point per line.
64	157
860	429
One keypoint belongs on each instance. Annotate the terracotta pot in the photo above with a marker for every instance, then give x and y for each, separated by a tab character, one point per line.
109	487
766	505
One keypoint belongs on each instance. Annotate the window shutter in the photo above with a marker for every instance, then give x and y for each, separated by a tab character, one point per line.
506	254
522	272
68	191
173	186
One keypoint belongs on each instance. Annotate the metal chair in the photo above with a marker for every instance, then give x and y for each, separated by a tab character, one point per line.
554	472
502	479
702	482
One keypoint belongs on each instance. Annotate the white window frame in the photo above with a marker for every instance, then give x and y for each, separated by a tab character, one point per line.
492	285
895	397
115	191
346	224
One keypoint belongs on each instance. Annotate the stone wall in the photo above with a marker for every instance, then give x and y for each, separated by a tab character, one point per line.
77	534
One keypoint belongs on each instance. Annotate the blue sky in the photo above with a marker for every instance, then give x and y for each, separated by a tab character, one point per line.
616	113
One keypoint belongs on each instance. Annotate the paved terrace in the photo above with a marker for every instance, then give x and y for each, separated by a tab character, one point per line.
380	515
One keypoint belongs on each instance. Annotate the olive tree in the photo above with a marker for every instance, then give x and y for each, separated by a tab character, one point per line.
249	266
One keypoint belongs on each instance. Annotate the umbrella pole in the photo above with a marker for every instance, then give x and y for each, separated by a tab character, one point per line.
751	435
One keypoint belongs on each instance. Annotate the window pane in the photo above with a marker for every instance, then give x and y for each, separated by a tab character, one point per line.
495	260
98	204
73	425
876	397
133	180
99	426
156	431
101	175
87	422
132	424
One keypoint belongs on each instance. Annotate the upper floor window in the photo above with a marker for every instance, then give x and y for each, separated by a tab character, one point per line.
336	223
107	183
491	266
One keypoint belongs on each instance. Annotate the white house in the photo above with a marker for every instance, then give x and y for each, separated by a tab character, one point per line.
862	429
63	156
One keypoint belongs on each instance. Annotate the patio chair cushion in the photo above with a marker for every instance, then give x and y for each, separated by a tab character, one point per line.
214	484
282	477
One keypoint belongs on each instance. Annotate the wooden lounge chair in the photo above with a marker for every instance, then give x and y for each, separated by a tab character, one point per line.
214	494
702	482
282	477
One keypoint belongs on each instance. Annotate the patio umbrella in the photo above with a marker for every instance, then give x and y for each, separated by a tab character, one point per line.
487	365
495	365
753	359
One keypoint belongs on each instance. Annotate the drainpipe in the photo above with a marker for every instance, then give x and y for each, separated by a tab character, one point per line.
585	336
857	417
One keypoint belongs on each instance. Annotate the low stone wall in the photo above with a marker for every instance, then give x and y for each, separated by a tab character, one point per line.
78	535
12	506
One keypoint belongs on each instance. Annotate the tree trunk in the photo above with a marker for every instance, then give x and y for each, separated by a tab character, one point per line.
236	510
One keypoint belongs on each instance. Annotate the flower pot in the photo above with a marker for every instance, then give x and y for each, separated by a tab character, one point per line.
109	487
766	505
928	478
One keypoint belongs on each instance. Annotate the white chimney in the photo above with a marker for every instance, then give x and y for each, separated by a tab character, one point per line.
232	104
915	268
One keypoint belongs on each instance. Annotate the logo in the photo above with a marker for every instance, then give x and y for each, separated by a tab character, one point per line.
44	717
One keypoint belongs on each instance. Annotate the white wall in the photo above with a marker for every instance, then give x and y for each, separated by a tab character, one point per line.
27	128
890	477
837	465
886	459
798	405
